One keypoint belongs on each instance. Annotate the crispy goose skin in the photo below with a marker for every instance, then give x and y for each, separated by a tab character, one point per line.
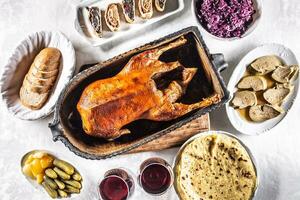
109	104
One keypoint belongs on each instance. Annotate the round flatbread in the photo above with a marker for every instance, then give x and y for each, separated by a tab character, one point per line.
215	167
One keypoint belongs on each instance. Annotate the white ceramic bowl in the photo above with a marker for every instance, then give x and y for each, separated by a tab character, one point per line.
19	64
252	128
256	19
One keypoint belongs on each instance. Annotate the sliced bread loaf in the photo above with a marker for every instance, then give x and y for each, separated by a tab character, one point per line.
41	77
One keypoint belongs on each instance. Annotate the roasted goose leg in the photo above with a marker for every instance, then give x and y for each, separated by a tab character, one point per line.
107	105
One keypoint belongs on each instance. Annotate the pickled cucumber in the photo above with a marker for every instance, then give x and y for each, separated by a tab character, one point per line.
68	168
73	183
60	184
52	193
61	173
50	182
71	189
51	173
62	193
76	176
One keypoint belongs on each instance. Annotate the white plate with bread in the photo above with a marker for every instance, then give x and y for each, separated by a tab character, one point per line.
263	88
36	73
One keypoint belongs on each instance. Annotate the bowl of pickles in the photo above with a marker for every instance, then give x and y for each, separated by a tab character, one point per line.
58	178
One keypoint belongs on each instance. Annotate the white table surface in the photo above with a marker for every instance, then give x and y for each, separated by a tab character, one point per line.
277	152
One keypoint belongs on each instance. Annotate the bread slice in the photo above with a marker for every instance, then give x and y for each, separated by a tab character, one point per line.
243	99
255	83
31	99
277	94
160	5
35	87
285	74
43	74
40	81
265	112
266	64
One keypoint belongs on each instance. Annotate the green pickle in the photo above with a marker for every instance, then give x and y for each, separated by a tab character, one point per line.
68	168
52	193
51	173
76	176
50	182
62	174
73	183
60	184
62	193
61	180
71	189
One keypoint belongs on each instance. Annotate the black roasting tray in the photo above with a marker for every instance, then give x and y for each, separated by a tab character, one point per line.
66	125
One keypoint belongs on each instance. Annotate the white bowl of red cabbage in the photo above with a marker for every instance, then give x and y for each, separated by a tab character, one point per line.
228	19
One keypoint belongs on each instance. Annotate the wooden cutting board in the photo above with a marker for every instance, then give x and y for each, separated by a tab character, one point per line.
178	136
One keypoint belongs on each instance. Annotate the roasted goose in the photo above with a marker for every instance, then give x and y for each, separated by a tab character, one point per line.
107	105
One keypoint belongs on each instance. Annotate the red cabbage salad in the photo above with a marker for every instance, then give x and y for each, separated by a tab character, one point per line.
225	18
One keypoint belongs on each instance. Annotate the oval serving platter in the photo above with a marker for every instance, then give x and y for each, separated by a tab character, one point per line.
19	64
66	125
82	24
253	128
86	190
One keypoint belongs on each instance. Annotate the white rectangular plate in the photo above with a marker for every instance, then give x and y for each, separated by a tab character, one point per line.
82	24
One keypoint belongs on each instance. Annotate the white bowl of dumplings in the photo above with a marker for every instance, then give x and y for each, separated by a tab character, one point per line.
263	88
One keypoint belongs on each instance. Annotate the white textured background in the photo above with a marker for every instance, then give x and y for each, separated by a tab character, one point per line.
277	152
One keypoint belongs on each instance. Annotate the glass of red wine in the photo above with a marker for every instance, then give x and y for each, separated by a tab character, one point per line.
117	184
155	176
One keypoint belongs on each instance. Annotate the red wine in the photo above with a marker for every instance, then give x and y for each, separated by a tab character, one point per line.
155	179
113	188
